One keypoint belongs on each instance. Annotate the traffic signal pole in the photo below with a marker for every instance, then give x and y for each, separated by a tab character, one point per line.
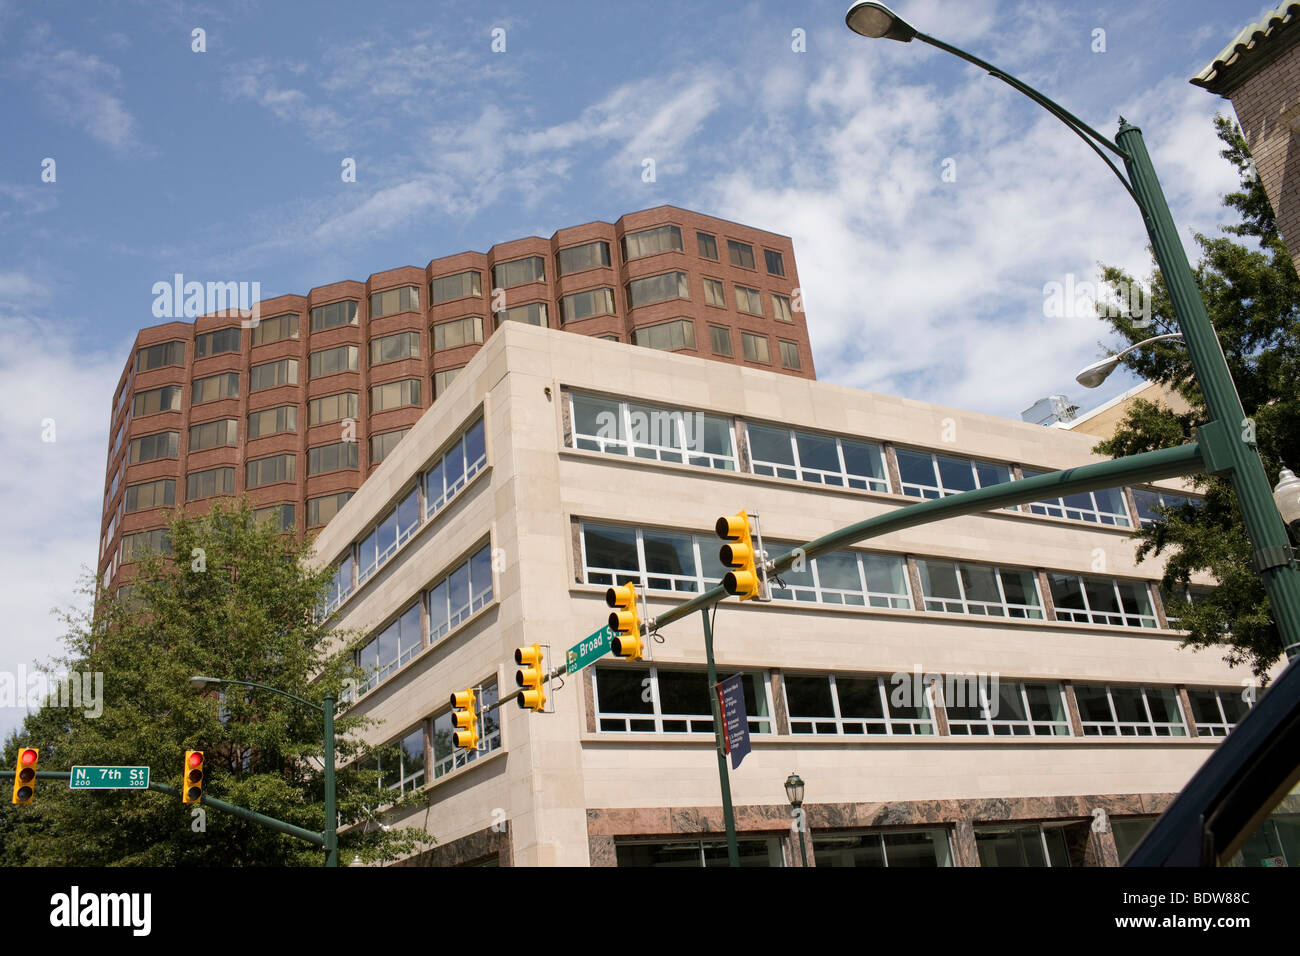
724	776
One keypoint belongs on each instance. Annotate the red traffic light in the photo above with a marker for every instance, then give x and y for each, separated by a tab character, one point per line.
196	759
28	757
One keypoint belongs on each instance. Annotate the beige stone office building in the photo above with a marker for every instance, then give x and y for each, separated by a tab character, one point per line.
1059	715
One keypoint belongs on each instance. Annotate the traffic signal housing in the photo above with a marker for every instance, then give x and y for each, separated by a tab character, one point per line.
530	677
739	555
464	720
192	784
25	776
625	622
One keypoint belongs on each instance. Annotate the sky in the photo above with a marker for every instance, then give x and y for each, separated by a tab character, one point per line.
928	203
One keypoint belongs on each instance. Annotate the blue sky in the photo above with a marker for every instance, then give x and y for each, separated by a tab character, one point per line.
225	165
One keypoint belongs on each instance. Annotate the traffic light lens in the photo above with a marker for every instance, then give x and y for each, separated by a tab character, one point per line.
196	759
196	776
194	793
28	757
24	794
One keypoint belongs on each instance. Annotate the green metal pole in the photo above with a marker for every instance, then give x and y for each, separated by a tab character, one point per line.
1228	441
803	848
728	815
331	813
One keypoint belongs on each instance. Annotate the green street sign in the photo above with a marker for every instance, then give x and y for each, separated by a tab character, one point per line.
108	778
591	648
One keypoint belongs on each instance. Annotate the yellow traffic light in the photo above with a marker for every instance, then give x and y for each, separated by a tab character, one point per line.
192	780
25	777
529	677
739	555
464	720
625	622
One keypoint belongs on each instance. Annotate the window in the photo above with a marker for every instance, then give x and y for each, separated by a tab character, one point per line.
135	546
720	340
321	510
456	286
333	315
112	486
679	701
395	394
333	361
578	258
816	459
534	313
1148	500
1181	597
466	590
789	354
647	242
403	299
659	560
1216	712
1128	832
214	387
216	343
979	589
165	399
840	704
754	347
1105	506
660	288
892	848
752	851
342	583
392	647
224	431
447	758
652	432
332	408
442	380
404	771
391	531
925	475
450	473
152	447
381	445
1111	711
1026	845
276	329
781	308
271	374
983	706
450	335
268	471
159	356
1101	600
273	421
742	254
849	578
583	305
507	275
390	348
714	293
281	515
707	246
775	263
151	494
748	300
205	484
336	457
667	336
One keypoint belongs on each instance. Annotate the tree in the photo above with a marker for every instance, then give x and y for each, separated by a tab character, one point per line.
236	601
1252	295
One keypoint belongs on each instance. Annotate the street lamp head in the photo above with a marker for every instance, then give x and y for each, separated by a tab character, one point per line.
794	790
1097	372
1287	496
199	682
875	20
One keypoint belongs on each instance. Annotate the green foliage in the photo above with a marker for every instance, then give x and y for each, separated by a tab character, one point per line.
1252	294
237	603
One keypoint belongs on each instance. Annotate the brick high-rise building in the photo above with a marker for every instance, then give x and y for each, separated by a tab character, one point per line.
299	409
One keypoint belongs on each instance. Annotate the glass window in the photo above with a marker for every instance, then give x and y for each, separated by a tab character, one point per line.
660	288
817	459
577	258
332	408
153	447
333	315
983	705
390	348
1216	712
1110	601
216	343
448	474
159	356
789	354
667	336
714	293
403	299
214	387
395	394
1105	506
137	545
507	275
1023	845
450	335
321	510
1119	711
979	589
1128	833
845	578
583	305
392	647
273	421
275	329
281	515
741	253
381	445
720	339
650	241
466	590
755	347
442	380
224	431
856	705
333	361
165	399
335	457
781	308
205	484
533	313
749	300
894	848
457	286
1150	500
271	374
652	432
679	701
708	246
150	494
775	263
267	471
925	475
